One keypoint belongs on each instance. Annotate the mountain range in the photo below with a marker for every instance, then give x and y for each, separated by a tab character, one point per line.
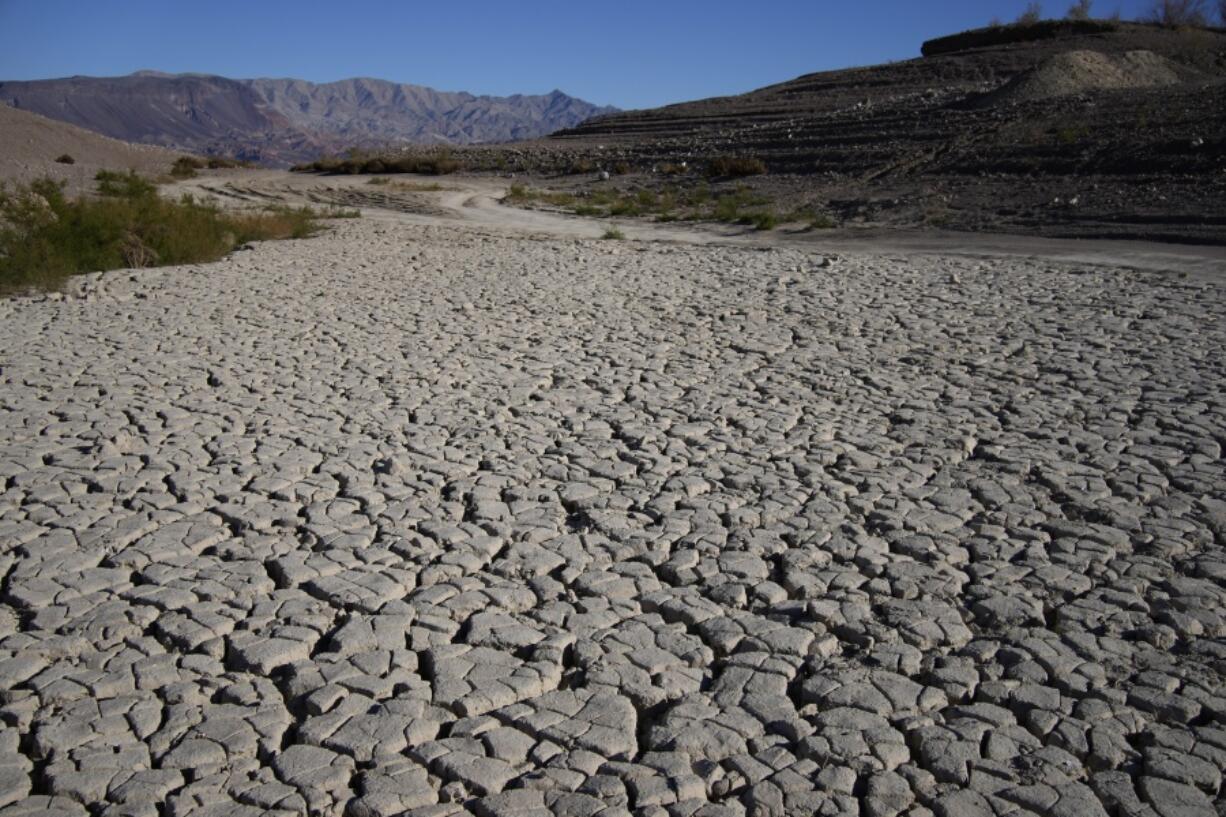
281	121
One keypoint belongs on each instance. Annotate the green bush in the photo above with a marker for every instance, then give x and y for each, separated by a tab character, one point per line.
763	221
46	237
613	234
65	159
123	185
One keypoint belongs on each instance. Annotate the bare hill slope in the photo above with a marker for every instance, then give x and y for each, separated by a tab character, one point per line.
32	143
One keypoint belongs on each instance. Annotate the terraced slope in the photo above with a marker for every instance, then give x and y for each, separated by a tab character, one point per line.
1115	130
905	116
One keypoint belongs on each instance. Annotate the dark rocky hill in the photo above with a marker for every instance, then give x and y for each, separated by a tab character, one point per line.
1100	128
279	121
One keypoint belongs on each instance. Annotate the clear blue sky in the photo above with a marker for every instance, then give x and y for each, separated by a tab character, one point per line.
628	53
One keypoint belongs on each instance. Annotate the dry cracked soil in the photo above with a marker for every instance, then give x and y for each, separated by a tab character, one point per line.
430	519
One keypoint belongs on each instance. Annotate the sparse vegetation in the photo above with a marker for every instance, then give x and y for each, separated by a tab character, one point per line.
128	185
613	234
1033	14
65	159
739	206
762	221
45	237
1071	134
735	167
1176	13
416	187
223	162
518	194
185	167
432	163
822	221
1080	10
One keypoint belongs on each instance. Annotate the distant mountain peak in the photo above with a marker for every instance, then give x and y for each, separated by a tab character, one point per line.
281	121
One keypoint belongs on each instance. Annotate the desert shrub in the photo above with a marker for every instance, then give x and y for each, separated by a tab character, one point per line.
735	167
225	162
1080	10
435	163
823	221
185	167
128	185
739	205
518	194
1032	15
441	163
65	159
613	234
699	195
582	166
728	208
1178	13
625	207
46	237
766	220
1071	134
621	168
672	169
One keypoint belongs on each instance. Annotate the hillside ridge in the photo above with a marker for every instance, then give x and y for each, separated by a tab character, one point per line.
280	121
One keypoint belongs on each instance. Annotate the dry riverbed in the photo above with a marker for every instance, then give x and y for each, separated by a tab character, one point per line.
448	519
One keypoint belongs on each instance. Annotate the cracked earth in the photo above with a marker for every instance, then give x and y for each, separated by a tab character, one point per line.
435	520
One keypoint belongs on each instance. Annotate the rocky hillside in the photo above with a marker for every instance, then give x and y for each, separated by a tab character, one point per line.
970	109
1101	128
279	121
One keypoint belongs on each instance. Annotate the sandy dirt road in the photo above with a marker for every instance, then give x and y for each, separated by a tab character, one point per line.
477	201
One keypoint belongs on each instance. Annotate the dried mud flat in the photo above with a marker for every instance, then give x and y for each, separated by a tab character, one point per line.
428	520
